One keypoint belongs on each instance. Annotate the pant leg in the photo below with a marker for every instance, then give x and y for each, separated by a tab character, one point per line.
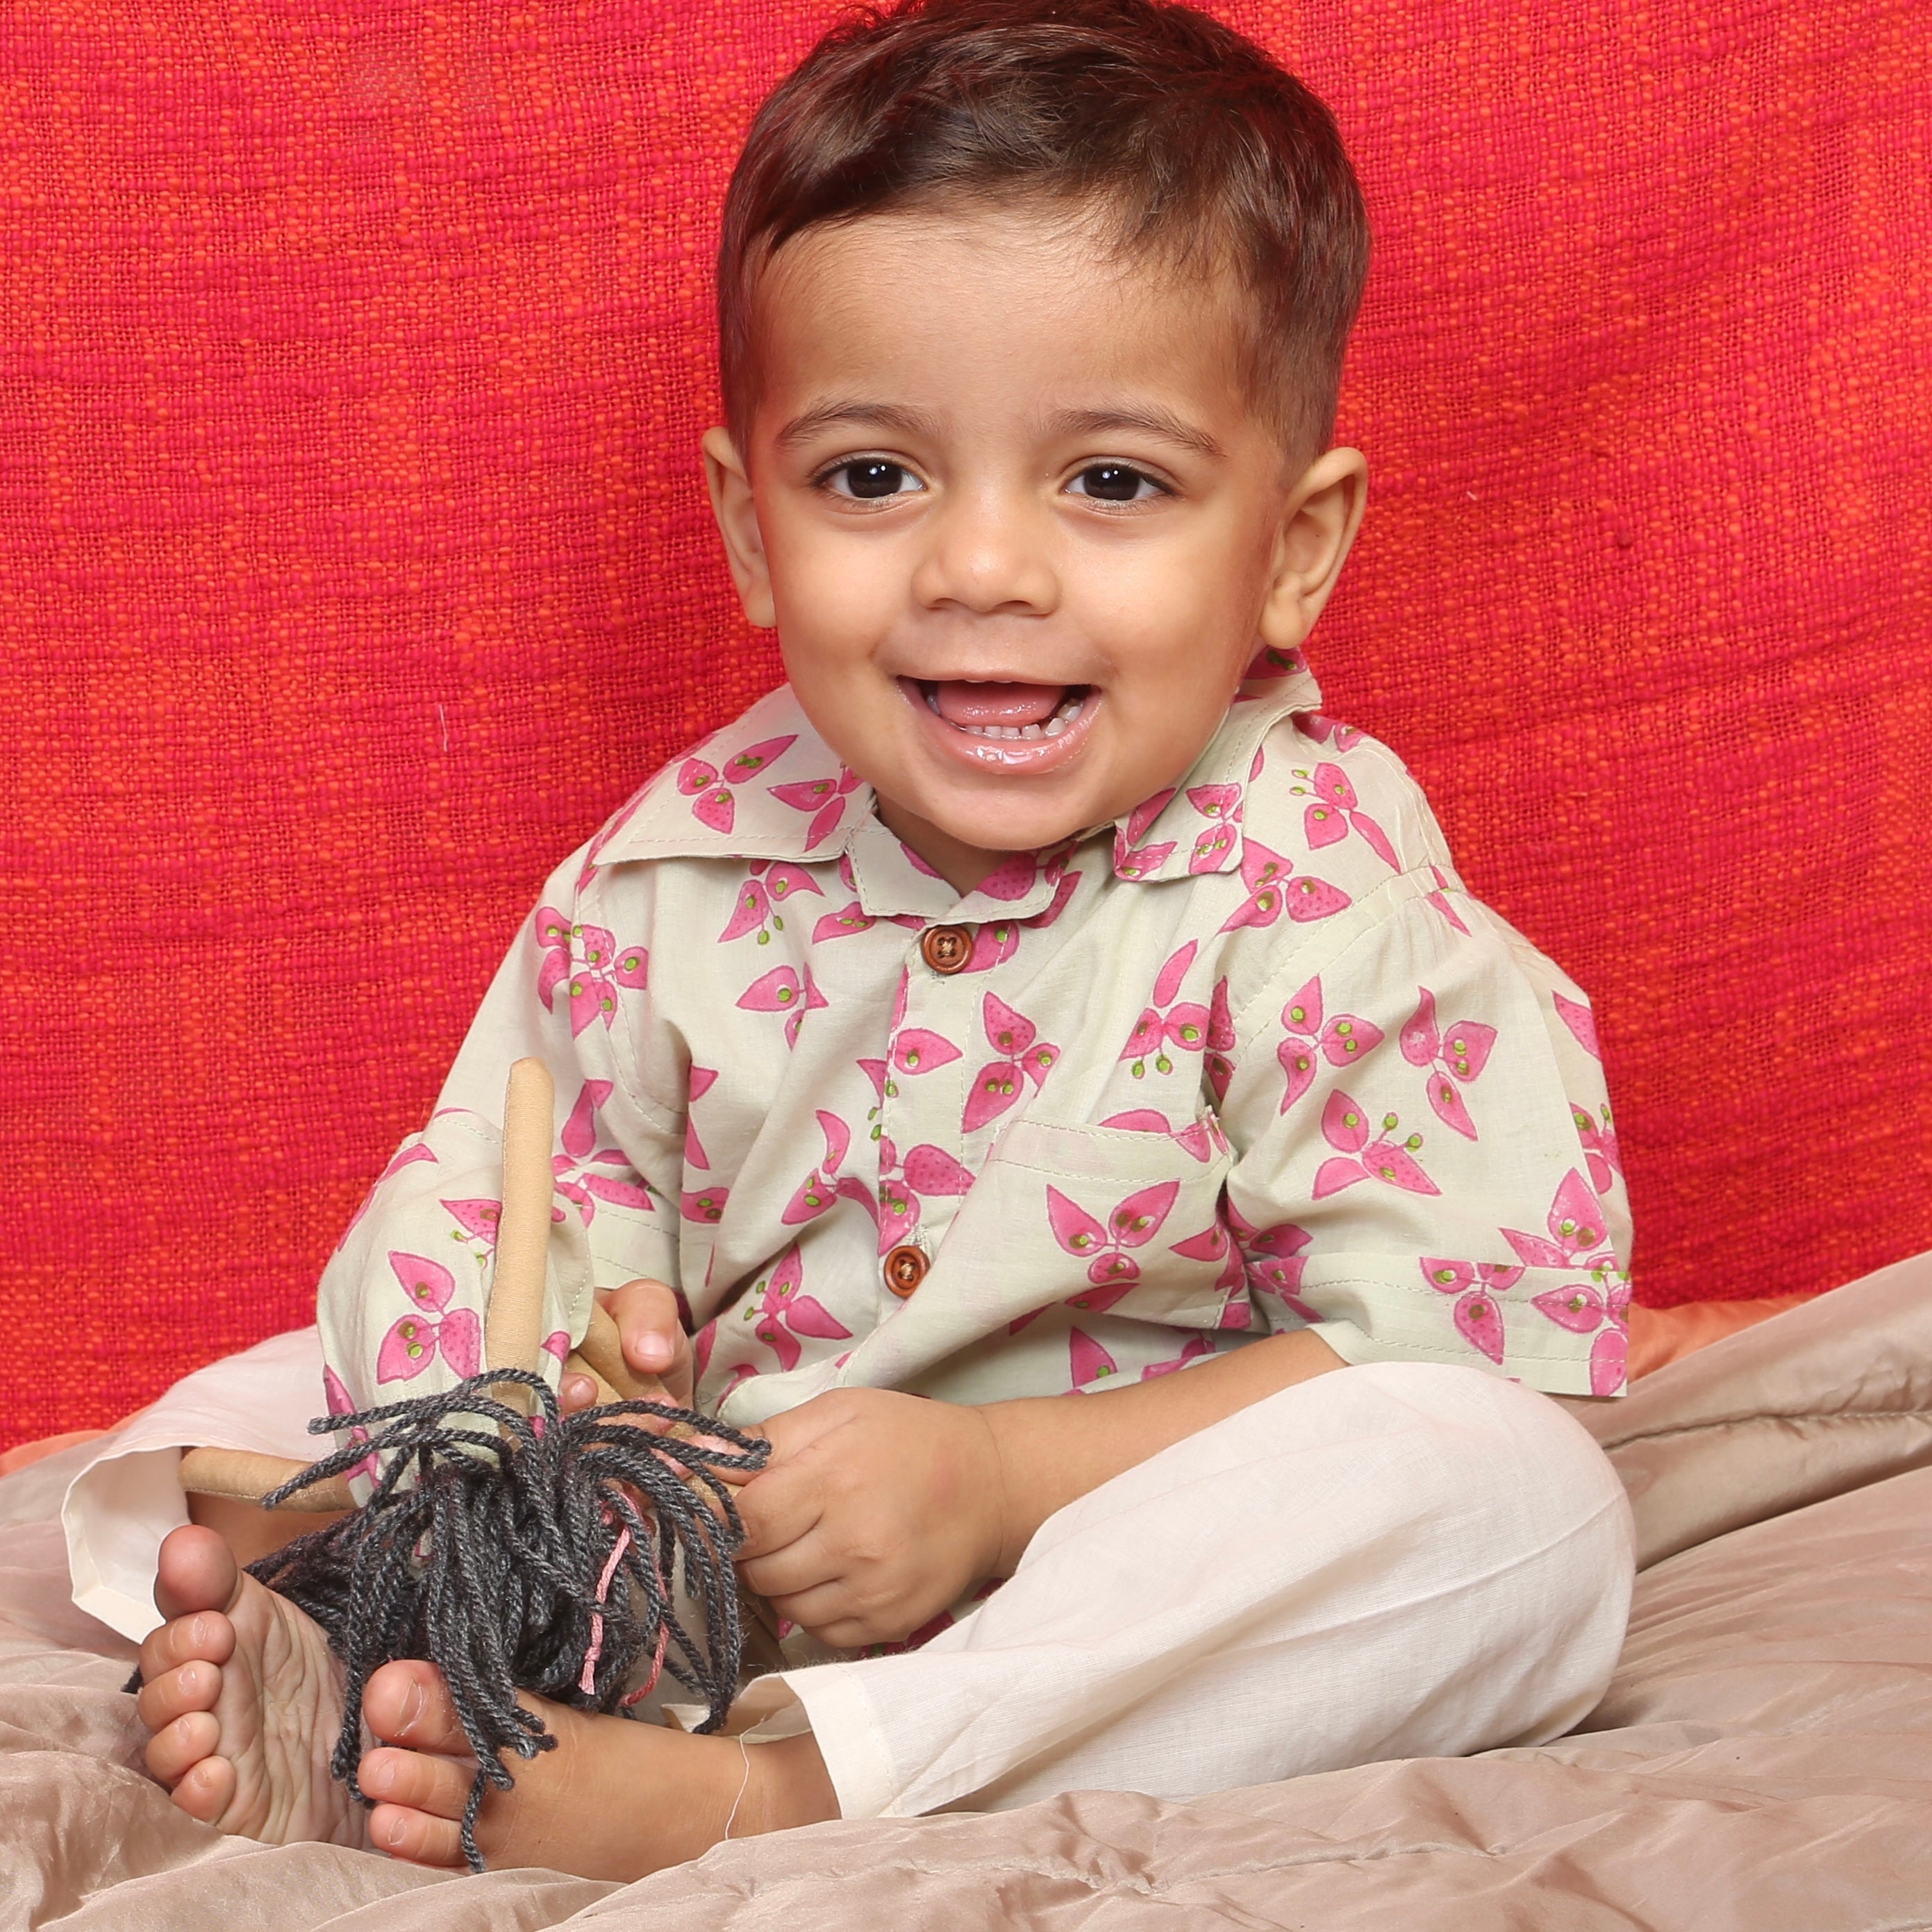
1398	1560
128	1495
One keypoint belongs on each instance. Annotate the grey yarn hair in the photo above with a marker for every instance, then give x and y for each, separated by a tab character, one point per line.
497	1553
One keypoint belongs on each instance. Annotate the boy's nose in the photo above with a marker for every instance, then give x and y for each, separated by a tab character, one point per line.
988	554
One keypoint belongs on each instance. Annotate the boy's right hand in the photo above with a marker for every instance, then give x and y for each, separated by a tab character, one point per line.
654	1342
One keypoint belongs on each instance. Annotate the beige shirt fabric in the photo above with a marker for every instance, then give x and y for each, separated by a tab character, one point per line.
1249	1059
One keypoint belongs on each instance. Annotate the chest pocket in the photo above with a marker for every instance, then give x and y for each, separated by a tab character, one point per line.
1104	1220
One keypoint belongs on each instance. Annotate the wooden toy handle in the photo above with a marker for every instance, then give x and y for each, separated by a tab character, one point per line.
512	1329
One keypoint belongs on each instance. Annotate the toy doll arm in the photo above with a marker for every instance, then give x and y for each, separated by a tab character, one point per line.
1425	1168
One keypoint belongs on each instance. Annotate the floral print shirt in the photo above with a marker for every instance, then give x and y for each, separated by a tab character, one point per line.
1249	1059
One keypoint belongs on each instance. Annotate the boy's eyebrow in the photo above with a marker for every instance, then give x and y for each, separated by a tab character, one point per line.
1150	421
871	415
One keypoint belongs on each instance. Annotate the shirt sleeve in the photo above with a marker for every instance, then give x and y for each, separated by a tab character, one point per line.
402	1302
1425	1168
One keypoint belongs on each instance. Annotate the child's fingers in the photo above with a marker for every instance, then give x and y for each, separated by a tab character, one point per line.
777	1508
654	1340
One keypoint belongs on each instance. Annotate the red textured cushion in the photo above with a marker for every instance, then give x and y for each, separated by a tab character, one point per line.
354	561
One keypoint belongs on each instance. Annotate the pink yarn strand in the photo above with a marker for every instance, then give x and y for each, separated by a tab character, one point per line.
587	1683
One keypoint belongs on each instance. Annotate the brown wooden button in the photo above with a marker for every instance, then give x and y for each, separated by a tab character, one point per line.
905	1269
947	948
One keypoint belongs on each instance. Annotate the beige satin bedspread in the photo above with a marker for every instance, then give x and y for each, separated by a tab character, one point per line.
1763	1760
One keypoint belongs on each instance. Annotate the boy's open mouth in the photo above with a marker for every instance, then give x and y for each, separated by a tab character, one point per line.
1004	710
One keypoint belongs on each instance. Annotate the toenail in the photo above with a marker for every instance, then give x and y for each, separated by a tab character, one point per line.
413	1705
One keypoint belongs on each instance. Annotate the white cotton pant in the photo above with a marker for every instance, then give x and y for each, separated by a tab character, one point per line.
1395	1561
1400	1560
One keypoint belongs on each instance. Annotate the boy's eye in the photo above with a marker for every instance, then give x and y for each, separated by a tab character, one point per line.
1115	483
871	478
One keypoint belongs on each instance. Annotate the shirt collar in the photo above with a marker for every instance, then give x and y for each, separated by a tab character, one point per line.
767	786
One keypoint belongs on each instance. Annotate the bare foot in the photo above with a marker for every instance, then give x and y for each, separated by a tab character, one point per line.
244	1700
615	1800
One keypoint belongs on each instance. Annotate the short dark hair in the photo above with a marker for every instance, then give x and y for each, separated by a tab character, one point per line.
1188	138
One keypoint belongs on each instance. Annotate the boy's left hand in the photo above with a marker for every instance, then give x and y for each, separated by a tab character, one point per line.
876	1511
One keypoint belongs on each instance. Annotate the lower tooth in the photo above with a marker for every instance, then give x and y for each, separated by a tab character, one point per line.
1054	726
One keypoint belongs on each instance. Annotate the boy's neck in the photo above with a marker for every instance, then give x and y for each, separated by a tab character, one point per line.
963	867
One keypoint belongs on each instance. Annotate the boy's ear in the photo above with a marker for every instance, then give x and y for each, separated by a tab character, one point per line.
1319	524
731	504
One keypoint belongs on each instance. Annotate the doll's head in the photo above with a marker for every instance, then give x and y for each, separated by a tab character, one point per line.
1032	316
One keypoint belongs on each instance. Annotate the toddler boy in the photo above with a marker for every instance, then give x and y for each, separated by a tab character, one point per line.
1036	996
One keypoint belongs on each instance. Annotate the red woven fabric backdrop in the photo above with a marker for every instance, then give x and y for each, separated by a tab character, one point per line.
354	562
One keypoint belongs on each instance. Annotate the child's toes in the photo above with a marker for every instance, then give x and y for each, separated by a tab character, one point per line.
419	1837
190	1687
420	1781
207	1635
408	1703
174	1749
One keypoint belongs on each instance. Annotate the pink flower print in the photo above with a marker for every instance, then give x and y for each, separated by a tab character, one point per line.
1337	811
1201	1139
1087	1361
1478	1316
1215	1244
1183	1025
780	990
1580	1308
1326	730
340	1402
1268	662
1273	890
853	918
1023	1056
589	963
916	1050
1221	804
1582	1023
1457	1052
556	1344
412	1343
1610	1361
1275	1261
698	1082
1600	1146
929	1172
710	789
780	1313
1219	1064
1132	860
1578	1235
993	943
1013	879
1364	1157
407	1157
1343	1039
1063	890
1104	1246
760	896
575	1168
1138	864
1439	899
705	1204
1196	1347
476	1221
825	799
825	1184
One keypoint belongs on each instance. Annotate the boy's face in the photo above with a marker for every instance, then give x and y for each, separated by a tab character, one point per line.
1019	526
